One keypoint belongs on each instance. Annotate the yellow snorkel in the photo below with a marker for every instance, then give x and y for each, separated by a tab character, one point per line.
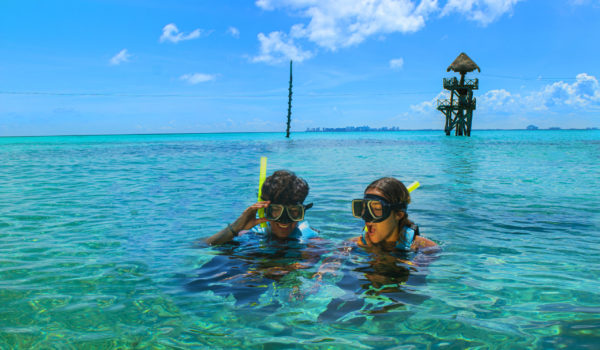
413	186
261	179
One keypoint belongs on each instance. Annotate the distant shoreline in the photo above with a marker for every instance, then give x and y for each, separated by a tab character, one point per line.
395	128
388	130
338	130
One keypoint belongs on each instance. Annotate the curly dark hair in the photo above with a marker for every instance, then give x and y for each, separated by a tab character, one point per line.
395	192
284	187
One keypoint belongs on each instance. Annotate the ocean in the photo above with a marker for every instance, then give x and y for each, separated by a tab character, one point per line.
100	242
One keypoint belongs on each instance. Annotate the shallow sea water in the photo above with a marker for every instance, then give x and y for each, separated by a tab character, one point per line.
98	243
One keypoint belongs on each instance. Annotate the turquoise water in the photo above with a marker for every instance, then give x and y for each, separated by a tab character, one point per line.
97	242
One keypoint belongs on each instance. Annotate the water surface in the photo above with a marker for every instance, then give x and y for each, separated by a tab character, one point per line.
97	242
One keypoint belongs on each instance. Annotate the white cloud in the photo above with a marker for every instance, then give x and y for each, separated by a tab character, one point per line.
503	101
397	63
429	106
196	78
584	92
234	32
264	4
581	95
119	58
172	34
335	24
482	11
277	47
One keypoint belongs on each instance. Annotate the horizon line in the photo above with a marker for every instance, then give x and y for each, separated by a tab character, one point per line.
283	132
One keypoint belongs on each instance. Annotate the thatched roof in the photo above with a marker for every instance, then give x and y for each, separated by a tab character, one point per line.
463	64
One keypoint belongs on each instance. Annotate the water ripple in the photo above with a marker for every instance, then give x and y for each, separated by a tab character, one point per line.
97	242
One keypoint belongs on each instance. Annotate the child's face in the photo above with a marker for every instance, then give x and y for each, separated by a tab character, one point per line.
386	229
281	230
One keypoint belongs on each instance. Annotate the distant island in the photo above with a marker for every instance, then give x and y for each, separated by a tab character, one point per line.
534	127
395	128
353	128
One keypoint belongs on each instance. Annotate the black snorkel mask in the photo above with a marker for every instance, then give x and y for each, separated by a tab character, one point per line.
286	214
373	208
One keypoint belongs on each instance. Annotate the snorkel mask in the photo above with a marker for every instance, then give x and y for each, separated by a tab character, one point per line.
373	208
286	214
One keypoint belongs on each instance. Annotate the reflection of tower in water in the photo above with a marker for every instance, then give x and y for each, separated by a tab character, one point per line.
461	161
459	108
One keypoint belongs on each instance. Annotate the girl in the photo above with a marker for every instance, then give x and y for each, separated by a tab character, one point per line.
383	208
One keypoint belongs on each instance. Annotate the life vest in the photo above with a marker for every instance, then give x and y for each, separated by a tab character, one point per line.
302	232
409	236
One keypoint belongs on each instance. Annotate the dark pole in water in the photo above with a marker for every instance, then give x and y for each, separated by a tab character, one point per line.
289	116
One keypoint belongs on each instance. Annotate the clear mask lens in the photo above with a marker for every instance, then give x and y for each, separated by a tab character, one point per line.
376	208
371	209
293	212
357	208
274	211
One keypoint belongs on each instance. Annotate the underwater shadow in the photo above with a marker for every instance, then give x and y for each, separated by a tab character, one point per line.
245	270
377	283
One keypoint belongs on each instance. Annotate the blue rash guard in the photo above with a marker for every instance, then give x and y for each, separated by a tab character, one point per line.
303	232
409	236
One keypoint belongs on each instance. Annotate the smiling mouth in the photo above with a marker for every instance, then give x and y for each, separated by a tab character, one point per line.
283	225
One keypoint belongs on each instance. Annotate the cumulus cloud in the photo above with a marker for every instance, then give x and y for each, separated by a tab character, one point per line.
277	47
234	32
121	57
505	102
397	63
172	34
582	94
195	78
427	107
264	4
334	24
482	11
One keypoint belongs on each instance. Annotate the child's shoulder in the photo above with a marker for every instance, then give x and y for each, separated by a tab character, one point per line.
422	242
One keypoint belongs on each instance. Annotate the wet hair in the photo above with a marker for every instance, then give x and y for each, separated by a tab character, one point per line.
395	192
284	187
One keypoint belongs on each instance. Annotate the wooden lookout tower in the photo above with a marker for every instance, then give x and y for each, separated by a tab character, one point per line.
459	108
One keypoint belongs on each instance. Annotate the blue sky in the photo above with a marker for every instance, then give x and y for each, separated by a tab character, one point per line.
118	66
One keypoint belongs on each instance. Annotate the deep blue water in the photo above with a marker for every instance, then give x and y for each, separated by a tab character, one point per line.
97	242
